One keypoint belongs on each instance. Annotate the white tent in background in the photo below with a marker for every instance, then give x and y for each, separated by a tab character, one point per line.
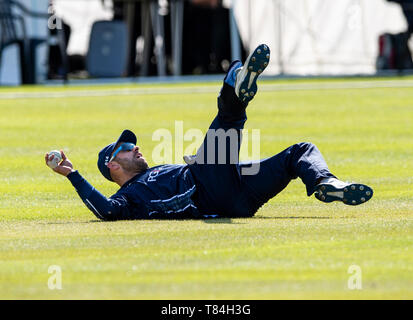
318	37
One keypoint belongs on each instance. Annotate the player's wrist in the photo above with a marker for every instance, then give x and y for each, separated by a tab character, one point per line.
65	171
70	171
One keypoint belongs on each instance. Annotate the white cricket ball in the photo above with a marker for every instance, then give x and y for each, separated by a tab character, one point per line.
56	159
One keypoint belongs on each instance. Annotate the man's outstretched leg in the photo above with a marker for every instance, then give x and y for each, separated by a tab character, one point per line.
239	88
305	161
215	166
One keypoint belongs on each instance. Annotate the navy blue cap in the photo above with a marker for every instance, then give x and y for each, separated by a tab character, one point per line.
106	152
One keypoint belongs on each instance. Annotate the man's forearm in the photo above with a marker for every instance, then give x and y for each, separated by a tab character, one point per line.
102	207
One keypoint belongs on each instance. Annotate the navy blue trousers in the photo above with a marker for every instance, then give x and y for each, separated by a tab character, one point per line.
224	189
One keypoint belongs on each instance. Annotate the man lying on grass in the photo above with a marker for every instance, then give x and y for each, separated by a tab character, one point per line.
207	185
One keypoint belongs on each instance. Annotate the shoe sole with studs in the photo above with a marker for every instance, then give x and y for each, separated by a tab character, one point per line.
352	194
255	64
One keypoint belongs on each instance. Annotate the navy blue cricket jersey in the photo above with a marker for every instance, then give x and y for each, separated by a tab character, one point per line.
164	191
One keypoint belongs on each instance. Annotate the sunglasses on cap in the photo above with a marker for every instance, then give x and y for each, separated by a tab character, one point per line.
122	147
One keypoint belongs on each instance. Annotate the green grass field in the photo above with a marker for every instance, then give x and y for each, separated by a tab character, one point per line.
294	248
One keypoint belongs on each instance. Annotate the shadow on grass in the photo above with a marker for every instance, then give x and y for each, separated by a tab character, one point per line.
304	217
211	220
74	222
221	220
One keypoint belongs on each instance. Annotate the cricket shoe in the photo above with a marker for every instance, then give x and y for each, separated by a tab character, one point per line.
332	189
247	75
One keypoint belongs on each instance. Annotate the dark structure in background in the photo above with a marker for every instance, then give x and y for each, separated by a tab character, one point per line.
56	58
206	45
206	38
394	52
119	7
108	49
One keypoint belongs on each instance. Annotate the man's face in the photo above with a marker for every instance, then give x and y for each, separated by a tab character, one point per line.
131	161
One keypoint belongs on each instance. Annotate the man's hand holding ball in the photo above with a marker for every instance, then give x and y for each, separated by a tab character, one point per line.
58	161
